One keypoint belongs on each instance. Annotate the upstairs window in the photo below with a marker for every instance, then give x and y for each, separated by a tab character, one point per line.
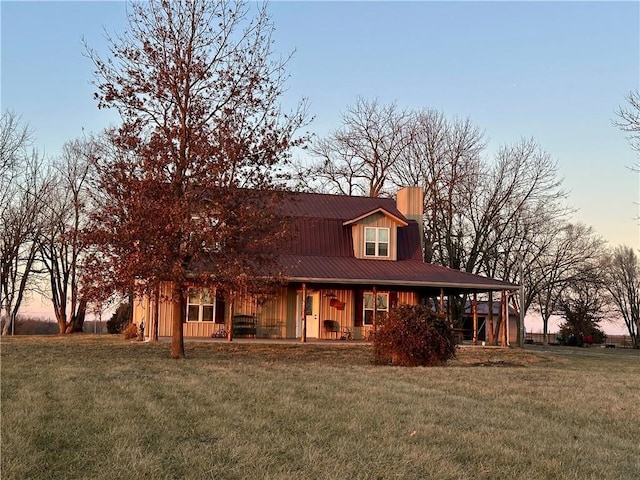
376	242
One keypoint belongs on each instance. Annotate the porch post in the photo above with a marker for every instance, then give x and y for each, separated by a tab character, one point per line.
474	310
375	307
230	317
441	301
303	336
505	320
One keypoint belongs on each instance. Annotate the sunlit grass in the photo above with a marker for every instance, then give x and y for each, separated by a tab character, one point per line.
100	407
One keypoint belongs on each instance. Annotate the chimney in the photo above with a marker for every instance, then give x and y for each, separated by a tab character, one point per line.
410	202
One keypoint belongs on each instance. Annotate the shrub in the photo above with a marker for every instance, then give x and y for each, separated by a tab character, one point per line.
413	335
130	331
120	318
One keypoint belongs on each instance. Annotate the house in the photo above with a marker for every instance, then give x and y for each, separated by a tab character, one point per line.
346	262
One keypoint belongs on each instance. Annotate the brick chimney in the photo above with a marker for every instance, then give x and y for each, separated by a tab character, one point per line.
410	202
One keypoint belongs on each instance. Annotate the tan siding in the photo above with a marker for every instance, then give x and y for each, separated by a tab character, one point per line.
198	329
406	298
291	309
166	310
375	220
272	316
276	317
141	310
327	312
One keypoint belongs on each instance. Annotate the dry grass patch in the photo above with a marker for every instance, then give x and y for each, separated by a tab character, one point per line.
102	408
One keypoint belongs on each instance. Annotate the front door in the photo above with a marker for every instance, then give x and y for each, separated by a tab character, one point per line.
312	315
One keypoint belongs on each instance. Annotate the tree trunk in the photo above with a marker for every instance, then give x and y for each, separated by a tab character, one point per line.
177	334
9	320
545	331
61	317
77	320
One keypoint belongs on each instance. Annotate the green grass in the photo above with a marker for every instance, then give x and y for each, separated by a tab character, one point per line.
98	407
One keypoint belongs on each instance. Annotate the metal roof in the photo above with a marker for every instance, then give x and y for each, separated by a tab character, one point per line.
319	248
410	273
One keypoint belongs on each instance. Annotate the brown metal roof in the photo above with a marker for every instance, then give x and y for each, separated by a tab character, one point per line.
318	205
317	225
410	273
319	248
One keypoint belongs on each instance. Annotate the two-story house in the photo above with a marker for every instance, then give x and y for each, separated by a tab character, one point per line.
346	259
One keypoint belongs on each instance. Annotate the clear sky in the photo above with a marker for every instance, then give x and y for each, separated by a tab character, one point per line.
554	71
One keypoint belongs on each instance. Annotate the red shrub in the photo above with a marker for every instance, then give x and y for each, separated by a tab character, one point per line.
130	331
412	336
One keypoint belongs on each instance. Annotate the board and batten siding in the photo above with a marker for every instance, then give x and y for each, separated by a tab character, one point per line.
276	316
375	220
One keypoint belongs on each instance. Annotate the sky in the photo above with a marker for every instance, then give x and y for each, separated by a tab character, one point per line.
552	71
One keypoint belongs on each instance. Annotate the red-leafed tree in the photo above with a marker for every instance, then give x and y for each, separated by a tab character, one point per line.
186	184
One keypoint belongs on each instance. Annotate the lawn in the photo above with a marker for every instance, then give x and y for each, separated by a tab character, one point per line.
99	407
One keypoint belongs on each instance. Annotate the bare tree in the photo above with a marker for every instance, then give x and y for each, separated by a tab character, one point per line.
570	261
60	246
480	216
15	141
23	189
443	157
186	191
357	158
629	121
622	274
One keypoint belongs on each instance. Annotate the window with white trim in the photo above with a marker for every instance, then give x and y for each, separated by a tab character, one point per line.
201	305
376	242
381	306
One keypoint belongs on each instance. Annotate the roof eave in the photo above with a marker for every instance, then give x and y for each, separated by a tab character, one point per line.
405	283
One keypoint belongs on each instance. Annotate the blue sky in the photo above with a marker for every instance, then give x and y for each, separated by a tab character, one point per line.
554	71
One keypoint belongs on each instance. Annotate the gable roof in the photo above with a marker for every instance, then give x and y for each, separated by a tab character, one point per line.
319	248
398	220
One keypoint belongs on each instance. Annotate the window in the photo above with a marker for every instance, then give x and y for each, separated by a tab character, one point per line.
201	306
381	306
376	242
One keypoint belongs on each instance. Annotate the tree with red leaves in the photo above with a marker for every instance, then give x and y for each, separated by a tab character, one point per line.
186	186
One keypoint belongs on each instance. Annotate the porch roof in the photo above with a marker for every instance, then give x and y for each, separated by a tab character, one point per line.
408	273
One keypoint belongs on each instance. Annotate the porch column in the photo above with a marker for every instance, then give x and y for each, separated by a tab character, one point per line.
474	310
303	336
441	311
375	307
516	309
505	319
230	317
